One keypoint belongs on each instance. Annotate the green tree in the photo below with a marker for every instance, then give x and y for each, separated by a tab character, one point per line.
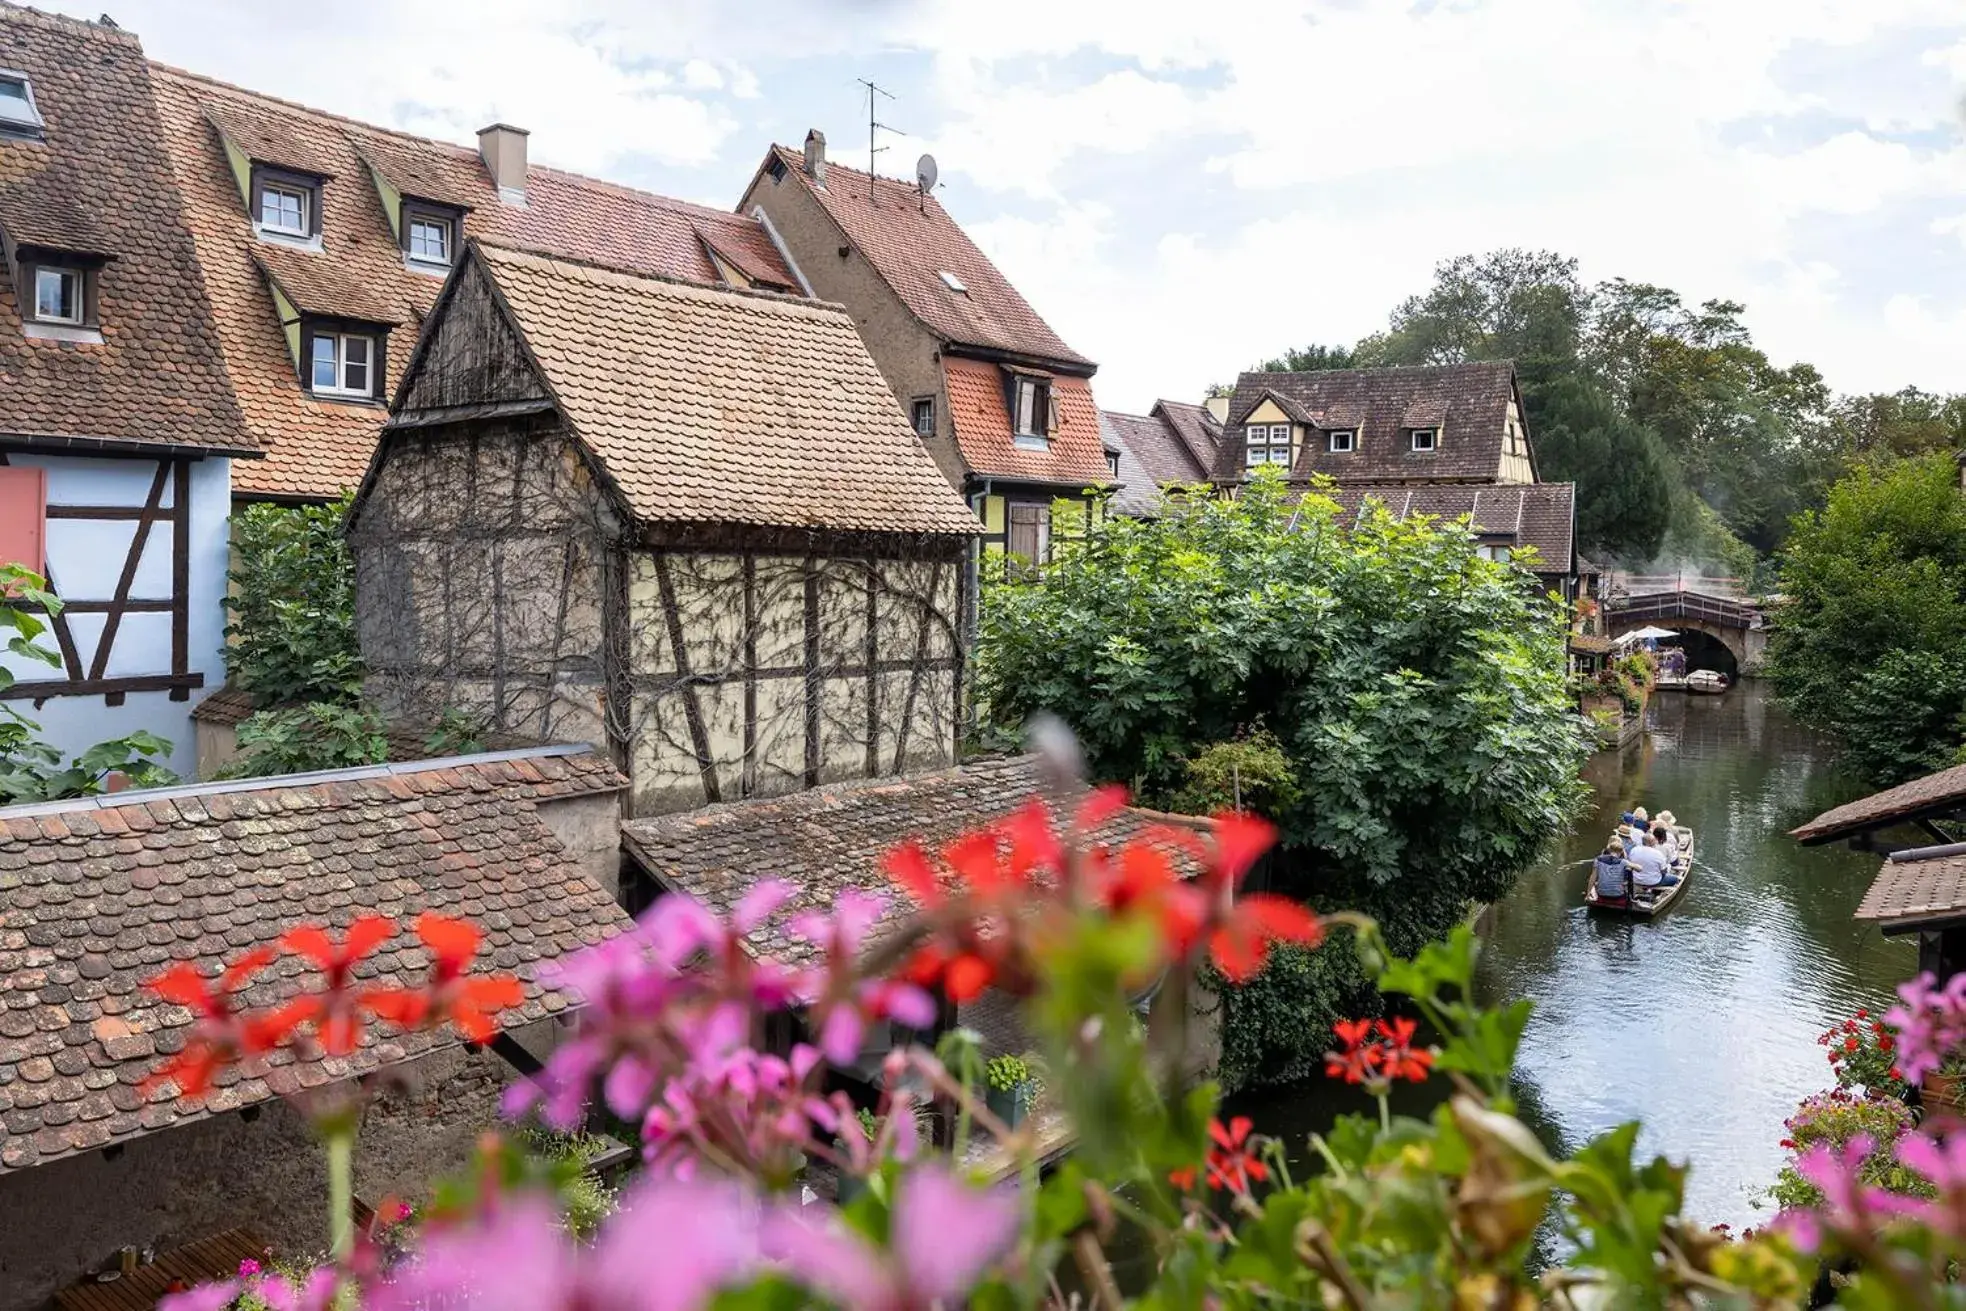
1310	359
1625	491
1867	642
293	605
1416	689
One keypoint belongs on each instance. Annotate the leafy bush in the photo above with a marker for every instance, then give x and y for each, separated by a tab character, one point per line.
318	735
1415	693
456	733
30	769
1252	773
1835	1119
1864	1054
292	635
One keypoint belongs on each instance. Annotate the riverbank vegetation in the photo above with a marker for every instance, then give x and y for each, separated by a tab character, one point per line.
1394	703
1687	443
1870	643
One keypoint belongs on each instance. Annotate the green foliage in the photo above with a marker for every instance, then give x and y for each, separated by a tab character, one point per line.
1251	773
1868	644
1835	1118
1624	477
1416	690
1277	1027
1007	1073
1310	359
292	635
30	769
318	735
456	733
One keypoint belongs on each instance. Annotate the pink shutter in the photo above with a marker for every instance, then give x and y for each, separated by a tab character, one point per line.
23	517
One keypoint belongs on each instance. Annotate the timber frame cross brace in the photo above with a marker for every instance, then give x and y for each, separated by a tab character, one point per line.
94	679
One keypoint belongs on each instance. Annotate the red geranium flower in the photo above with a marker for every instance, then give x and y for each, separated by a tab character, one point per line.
1231	1164
1360	1059
1398	1058
467	1003
220	1035
337	1009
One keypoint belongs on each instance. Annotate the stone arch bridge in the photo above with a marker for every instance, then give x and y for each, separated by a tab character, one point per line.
1693	605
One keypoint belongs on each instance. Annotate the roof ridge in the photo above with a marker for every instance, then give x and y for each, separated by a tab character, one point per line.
69	23
1371	368
508	250
398	134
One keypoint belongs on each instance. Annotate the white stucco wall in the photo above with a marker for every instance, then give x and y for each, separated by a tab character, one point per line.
86	558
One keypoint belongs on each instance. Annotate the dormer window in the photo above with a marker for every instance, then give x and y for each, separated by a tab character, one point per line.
429	236
286	206
58	295
1113	464
1342	440
1425	440
341	364
18	116
1267	443
1030	411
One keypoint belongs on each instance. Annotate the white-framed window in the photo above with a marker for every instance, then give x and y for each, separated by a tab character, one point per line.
428	239
1495	551
1113	464
1267	444
1425	439
286	209
921	416
1031	412
341	364
18	116
1342	440
58	295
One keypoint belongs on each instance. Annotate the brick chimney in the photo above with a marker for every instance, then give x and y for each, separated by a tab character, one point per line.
503	148
816	156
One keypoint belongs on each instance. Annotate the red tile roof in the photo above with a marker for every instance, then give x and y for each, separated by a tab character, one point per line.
706	404
99	895
1535	514
911	241
317	447
1934	794
1917	887
826	840
1468	402
98	185
1076	457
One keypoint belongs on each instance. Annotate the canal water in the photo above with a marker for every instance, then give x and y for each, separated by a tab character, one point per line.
1701	1023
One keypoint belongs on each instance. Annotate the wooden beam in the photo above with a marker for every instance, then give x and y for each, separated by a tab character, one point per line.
699	734
811	670
43	689
121	513
131	560
181	575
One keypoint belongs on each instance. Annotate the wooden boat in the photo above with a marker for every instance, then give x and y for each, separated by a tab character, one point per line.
1643	904
1707	682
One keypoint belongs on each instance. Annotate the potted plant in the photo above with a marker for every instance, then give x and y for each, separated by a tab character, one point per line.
1944	1089
1007	1083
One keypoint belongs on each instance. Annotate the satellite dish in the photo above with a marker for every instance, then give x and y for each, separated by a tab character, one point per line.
926	173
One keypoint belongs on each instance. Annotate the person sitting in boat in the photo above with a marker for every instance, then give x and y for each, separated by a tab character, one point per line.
1650	868
1627	838
1667	839
1612	875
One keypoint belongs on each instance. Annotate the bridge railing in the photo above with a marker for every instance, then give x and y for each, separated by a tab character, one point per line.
1682	605
1645	584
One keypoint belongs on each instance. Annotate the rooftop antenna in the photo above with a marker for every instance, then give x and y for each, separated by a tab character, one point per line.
873	125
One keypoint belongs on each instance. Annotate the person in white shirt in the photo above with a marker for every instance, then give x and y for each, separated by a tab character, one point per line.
1668	843
1649	866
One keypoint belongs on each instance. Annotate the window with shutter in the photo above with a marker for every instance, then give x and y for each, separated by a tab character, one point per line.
23	517
1028	539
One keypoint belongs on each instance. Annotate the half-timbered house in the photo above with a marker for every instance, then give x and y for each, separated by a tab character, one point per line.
995	395
686	524
118	427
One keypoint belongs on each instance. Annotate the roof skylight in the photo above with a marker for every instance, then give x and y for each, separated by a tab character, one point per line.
17	112
953	283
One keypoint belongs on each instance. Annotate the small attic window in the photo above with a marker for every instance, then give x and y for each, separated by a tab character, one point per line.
953	283
1425	439
286	205
18	116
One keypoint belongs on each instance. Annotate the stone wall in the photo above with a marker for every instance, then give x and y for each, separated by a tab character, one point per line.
65	1219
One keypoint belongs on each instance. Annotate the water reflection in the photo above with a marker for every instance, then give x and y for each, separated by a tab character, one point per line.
1701	1023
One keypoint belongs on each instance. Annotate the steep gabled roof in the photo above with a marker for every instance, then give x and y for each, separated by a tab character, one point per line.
1172	444
707	405
99	895
97	186
1468	402
318	447
1075	455
1542	515
910	240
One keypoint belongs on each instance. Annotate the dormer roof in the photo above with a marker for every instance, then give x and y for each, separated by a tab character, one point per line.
945	281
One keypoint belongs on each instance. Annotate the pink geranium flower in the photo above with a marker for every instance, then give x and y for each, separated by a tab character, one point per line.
943	1236
841	1009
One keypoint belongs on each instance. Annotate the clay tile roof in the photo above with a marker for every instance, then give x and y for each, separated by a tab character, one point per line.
317	448
1467	402
1137	492
228	705
1541	515
1934	794
1913	891
708	405
316	285
1196	426
1075	456
911	241
267	138
99	895
827	840
98	185
1160	444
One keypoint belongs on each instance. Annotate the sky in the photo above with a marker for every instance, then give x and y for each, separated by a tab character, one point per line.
1182	190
